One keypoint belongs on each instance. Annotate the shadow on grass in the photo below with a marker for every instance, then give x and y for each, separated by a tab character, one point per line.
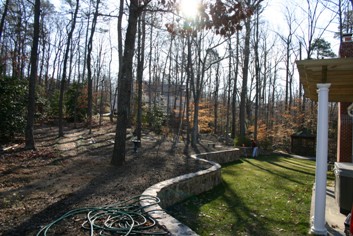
225	211
279	174
237	162
299	169
235	218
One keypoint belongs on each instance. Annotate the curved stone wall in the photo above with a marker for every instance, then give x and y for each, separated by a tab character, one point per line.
177	189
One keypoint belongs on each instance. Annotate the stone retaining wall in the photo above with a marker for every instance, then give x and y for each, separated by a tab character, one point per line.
180	188
222	157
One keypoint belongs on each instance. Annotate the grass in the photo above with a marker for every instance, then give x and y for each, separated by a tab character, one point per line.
264	196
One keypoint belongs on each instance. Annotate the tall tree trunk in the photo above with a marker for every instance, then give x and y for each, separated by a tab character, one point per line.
197	83
195	129
125	82
101	102
215	115
290	87
4	14
140	66
63	78
234	100
72	53
89	69
243	95
179	94
78	87
150	68
194	87
257	74
274	84
288	45
111	94
86	43
187	112
43	52
169	76
58	40
189	74
301	90
229	86
47	60
2	23
120	51
99	63
30	143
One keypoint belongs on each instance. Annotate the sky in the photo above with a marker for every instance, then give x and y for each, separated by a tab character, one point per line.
274	14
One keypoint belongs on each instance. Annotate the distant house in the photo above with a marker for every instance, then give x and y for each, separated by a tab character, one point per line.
162	92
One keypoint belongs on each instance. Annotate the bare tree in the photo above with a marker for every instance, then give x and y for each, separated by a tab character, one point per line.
234	95
288	41
215	98
30	143
4	14
244	88
120	52
140	68
125	82
63	78
89	68
257	71
311	30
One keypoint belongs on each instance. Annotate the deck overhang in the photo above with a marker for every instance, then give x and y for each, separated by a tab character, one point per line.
338	72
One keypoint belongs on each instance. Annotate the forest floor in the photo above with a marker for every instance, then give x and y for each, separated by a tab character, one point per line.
37	187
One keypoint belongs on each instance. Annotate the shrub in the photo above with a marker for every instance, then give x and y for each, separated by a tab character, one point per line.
53	111
155	118
75	96
240	141
13	104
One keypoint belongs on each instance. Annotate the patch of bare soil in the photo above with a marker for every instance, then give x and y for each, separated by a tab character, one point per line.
37	187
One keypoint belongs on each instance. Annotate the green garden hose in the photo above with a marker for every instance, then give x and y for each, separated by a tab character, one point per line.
121	218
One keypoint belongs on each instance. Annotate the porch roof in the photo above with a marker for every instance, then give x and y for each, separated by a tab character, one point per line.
338	72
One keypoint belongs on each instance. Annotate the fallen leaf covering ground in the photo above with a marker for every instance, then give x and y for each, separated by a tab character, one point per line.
37	187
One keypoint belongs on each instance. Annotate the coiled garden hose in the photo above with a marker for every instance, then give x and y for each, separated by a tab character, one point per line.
121	218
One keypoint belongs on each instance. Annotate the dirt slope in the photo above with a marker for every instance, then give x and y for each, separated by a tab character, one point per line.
75	171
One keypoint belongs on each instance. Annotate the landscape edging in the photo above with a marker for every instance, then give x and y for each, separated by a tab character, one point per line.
177	189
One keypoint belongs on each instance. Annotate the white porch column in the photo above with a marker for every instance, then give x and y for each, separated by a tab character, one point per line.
318	227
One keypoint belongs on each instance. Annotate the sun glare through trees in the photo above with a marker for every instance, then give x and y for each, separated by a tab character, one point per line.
189	8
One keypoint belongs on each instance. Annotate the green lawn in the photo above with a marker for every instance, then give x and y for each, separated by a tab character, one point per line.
264	196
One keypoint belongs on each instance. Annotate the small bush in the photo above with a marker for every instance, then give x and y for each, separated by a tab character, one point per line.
53	110
13	104
266	144
155	118
242	141
75	99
